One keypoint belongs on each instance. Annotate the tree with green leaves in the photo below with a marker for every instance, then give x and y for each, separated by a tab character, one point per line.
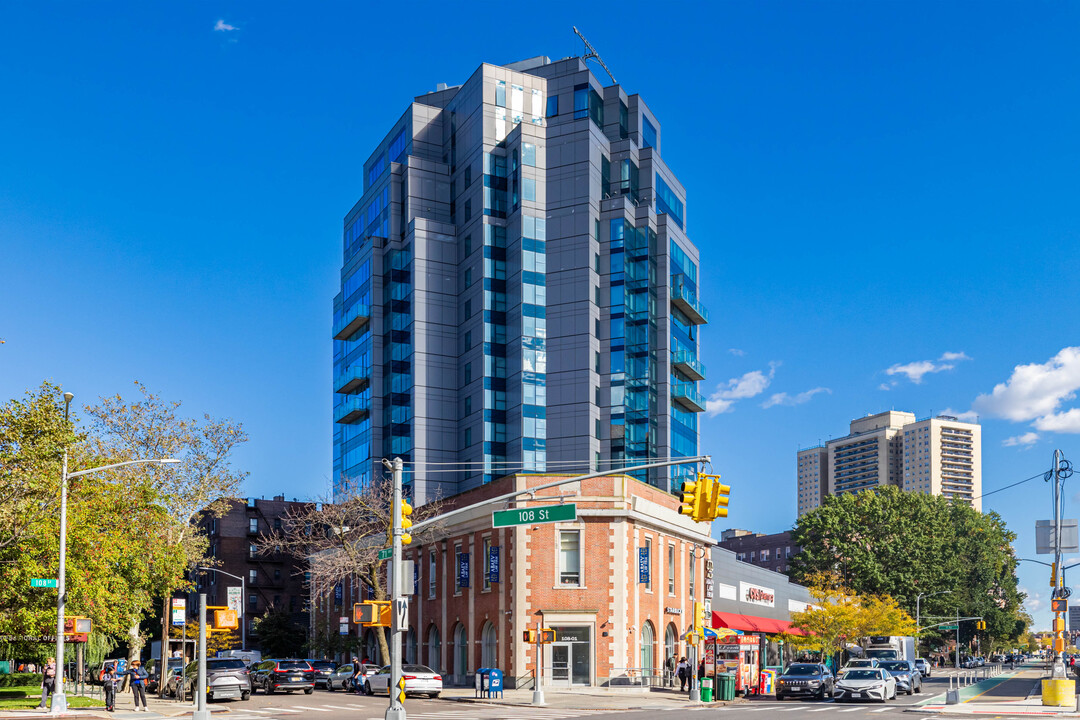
278	634
903	544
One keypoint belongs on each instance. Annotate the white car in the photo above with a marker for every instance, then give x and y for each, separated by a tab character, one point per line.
866	684
419	680
925	668
858	664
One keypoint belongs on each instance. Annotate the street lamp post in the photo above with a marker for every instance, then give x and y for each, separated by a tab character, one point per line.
243	597
59	701
918	599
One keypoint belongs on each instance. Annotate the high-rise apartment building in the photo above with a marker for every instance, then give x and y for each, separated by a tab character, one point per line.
940	455
518	291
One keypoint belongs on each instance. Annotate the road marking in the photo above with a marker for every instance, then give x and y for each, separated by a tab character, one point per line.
286	710
304	707
344	707
821	709
884	709
851	710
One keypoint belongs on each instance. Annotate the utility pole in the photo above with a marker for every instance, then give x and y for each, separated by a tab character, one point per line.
957	638
201	713
1061	469
396	711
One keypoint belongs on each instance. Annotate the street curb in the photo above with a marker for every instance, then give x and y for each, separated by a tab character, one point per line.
649	706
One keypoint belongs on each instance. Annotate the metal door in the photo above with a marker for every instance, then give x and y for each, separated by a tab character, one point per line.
560	664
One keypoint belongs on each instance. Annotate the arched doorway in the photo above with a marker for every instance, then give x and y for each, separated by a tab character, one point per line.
459	654
370	652
410	646
489	646
648	642
434	649
671	649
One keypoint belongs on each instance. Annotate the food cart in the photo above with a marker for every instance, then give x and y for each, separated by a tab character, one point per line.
737	654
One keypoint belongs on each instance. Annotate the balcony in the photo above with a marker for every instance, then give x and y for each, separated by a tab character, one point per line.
353	379
688	365
354	409
686	300
688	397
357	317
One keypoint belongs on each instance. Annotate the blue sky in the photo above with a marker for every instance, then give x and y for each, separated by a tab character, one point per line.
873	186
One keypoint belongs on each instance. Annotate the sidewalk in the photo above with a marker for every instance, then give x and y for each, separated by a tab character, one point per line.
587	698
1013	693
125	708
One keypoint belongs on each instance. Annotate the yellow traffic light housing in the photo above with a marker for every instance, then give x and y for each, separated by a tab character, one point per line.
530	637
547	635
406	523
699	618
691	499
718	503
373	613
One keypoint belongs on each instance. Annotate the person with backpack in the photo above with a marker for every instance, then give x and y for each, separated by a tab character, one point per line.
357	676
683	671
138	677
48	682
111	682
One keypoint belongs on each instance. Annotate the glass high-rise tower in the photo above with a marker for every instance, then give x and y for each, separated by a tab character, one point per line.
518	291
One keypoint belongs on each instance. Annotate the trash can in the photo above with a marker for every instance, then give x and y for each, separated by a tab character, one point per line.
706	689
725	686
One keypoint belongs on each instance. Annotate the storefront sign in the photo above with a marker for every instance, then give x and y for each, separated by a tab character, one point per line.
757	595
493	565
708	579
643	565
673	611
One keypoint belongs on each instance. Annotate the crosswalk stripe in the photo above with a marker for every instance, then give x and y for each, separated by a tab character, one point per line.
344	707
884	709
852	710
820	709
287	710
313	709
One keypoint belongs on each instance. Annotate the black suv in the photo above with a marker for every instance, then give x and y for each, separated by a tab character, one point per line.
812	679
323	669
287	675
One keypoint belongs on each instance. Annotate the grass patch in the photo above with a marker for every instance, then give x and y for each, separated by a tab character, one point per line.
29	703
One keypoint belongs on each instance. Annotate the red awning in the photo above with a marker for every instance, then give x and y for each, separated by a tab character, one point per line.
753	623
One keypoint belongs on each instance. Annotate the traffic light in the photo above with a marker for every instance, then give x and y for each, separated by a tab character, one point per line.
225	620
530	637
718	498
406	523
692	499
699	618
1053	574
980	625
373	613
547	635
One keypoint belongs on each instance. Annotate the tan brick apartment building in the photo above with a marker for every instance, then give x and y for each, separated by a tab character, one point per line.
612	610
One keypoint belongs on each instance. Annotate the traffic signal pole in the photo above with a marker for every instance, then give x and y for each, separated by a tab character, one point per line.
396	711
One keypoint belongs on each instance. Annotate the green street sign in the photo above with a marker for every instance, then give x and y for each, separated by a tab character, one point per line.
44	583
530	516
386	553
948	627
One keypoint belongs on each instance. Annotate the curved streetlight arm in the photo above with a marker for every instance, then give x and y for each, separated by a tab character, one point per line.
210	569
243	599
163	461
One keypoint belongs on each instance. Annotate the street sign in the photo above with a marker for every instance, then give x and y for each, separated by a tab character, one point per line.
401	614
386	553
530	516
179	611
1045	536
947	627
44	583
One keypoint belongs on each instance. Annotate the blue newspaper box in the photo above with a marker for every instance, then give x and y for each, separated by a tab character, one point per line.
489	681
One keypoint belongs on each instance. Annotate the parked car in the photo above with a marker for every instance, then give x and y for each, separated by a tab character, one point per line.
419	680
806	679
323	669
924	666
172	685
908	678
285	674
866	684
342	676
153	670
225	678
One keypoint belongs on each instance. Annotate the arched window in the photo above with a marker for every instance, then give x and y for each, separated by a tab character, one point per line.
489	646
410	646
434	649
648	638
371	648
459	653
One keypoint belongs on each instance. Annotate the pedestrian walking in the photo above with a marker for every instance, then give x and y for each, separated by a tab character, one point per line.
111	682
137	674
669	671
683	671
48	682
357	674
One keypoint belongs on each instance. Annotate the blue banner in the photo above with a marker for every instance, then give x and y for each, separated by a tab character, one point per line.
416	578
643	565
463	570
337	594
370	592
493	565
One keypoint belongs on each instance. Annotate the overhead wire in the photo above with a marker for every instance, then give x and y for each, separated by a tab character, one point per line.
1021	482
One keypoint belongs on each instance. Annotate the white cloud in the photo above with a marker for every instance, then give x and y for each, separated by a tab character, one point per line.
749	385
1035	392
965	415
223	26
1026	440
737	352
914	371
791	400
886	386
1034	602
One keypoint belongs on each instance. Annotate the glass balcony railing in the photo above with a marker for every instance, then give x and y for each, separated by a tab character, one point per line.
353	379
685	298
686	363
352	410
357	317
686	395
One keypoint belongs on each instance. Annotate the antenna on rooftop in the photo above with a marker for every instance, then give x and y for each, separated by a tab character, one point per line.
590	52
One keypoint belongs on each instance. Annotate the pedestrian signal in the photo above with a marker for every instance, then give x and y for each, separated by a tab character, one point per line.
547	635
530	636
